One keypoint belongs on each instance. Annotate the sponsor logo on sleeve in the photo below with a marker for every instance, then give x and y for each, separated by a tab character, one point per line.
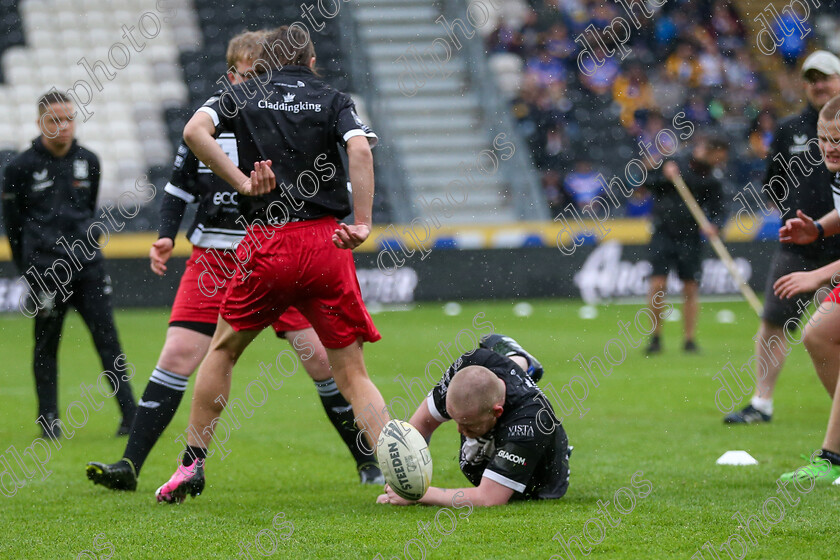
521	430
515	459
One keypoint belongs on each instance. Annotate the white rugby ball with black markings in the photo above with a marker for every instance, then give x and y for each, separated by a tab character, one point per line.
404	459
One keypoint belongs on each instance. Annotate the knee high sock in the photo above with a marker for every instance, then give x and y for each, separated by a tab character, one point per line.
156	409
341	415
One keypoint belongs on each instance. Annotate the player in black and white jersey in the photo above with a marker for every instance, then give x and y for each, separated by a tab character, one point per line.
512	445
217	229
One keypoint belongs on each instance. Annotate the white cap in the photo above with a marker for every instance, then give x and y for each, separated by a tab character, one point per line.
822	61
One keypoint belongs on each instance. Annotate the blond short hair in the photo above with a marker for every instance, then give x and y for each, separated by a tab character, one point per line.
245	47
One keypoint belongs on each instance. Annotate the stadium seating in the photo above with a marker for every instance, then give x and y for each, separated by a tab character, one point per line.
438	119
137	118
136	121
124	121
554	97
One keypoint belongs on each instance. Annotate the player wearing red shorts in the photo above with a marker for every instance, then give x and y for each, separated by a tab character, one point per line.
214	234
294	253
822	333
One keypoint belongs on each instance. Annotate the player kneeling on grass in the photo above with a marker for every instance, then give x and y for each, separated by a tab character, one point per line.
821	335
507	450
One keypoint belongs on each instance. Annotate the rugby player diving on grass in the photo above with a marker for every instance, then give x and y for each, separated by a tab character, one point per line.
512	444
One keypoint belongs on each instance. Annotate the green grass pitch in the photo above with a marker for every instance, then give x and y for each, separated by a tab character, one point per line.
656	415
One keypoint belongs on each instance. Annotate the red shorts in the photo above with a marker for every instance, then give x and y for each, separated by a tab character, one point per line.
196	303
834	296
297	264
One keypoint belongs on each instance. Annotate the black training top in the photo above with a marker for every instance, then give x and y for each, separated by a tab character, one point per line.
45	199
299	124
670	213
526	449
812	195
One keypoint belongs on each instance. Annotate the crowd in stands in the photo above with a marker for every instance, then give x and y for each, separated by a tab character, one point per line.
692	56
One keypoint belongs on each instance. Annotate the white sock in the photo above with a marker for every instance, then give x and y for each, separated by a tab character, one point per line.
762	405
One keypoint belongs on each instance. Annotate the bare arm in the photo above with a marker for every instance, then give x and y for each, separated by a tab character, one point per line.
826	273
423	420
361	178
199	136
488	493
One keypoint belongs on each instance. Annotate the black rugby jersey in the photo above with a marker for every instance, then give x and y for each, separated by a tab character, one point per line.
300	127
516	453
670	214
215	224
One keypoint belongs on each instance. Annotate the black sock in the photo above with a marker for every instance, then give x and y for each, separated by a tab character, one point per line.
193	454
830	456
341	415
157	407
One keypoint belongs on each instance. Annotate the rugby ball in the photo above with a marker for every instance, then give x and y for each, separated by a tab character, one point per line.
404	459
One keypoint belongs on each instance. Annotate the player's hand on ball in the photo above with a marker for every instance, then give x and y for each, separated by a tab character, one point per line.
800	230
796	283
260	182
159	253
350	237
390	497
